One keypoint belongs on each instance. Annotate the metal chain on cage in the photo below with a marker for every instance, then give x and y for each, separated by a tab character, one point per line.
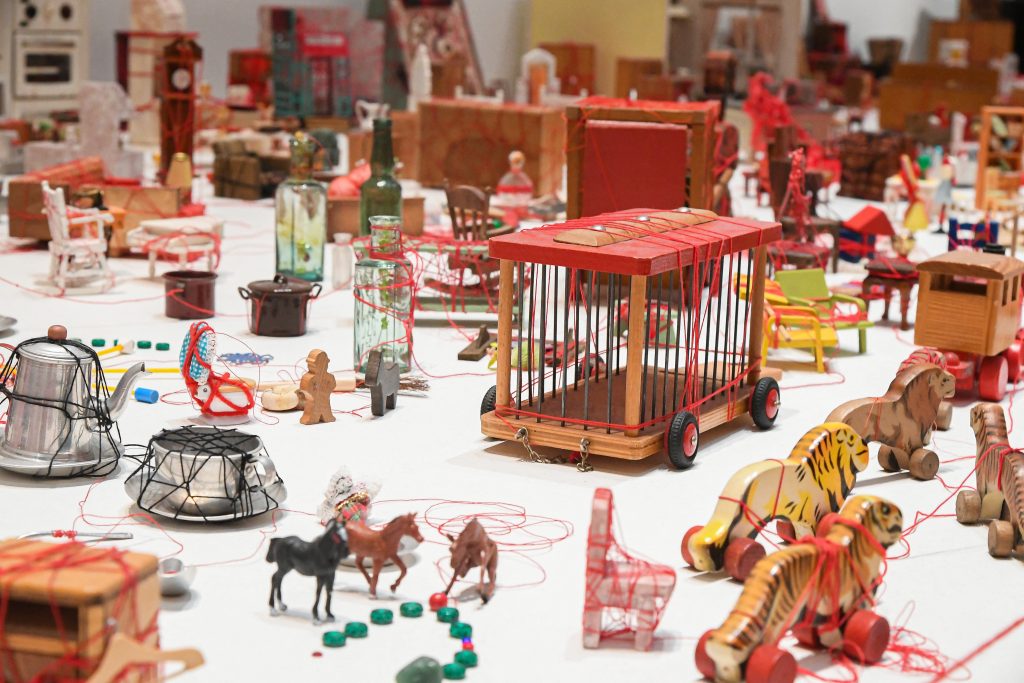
524	436
584	463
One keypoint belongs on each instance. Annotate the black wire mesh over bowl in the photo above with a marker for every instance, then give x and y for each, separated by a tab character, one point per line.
206	474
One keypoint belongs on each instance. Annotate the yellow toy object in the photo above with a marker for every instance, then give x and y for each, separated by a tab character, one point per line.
797	327
916	218
812	482
822	590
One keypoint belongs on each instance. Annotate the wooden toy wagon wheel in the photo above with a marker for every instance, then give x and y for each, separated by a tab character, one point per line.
765	402
490	399
683	439
992	378
770	664
968	506
865	636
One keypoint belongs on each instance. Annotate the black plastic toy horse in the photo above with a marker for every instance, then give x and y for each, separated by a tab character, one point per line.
317	558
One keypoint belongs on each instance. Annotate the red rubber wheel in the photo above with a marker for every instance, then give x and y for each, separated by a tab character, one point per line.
769	664
992	378
785	529
687	557
1014	357
866	636
705	665
807	635
740	557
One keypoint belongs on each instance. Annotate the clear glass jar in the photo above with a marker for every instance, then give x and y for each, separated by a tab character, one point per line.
301	215
383	296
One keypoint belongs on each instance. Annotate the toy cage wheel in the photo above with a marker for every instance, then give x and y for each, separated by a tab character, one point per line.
490	398
764	402
683	440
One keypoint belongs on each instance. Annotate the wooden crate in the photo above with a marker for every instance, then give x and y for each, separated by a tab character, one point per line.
97	590
914	88
141	203
630	70
469	142
25	194
867	159
574	65
405	139
986	40
343	216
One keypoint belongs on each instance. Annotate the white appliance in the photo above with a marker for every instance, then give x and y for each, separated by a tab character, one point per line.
44	54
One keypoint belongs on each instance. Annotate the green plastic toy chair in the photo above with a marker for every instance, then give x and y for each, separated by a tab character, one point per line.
844	312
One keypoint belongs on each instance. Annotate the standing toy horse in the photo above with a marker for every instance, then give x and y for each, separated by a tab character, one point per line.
318	558
474	548
381	545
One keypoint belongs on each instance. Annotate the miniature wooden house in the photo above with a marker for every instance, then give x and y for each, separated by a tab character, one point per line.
61	603
969	301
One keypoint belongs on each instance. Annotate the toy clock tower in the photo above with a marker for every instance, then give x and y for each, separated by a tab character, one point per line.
178	100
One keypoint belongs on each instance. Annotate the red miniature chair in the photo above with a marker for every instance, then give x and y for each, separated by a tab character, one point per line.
633	590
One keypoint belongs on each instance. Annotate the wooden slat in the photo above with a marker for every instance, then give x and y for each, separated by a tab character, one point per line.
623	230
506	294
636	334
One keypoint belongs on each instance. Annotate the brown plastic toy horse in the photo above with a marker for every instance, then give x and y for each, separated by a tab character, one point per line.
474	548
381	545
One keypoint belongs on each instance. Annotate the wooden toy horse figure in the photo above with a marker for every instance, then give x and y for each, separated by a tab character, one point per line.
382	378
474	548
381	545
318	558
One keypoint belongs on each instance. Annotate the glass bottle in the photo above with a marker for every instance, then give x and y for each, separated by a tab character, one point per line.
381	195
301	214
341	273
383	296
515	190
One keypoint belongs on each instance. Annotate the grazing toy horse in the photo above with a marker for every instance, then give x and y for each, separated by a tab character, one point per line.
381	545
318	558
474	548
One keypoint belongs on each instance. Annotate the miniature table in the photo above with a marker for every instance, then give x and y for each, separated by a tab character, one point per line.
891	274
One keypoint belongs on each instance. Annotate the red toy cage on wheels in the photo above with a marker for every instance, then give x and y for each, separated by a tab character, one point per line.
629	336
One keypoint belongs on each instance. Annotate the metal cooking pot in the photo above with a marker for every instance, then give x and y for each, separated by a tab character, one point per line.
54	415
279	307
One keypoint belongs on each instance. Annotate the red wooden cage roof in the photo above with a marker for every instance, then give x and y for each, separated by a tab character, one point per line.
635	242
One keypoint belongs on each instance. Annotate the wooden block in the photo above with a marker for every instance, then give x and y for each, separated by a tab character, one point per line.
343	216
574	65
143	202
628	71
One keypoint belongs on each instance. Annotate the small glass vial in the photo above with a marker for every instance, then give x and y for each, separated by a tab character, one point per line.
342	261
383	296
301	214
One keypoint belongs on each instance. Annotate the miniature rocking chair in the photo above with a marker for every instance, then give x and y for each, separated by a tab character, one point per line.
618	581
76	261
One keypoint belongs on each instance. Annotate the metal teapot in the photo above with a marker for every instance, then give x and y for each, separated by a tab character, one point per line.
55	418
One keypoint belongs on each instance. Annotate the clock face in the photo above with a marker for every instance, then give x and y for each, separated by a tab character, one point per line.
181	79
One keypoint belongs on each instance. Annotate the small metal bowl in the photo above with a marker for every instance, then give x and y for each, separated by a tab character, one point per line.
175	577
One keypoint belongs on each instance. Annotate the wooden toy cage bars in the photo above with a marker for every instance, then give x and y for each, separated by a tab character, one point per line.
628	332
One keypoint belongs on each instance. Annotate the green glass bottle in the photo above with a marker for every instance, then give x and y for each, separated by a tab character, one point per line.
301	216
381	195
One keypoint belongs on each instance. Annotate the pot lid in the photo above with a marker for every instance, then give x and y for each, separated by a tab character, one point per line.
54	348
280	285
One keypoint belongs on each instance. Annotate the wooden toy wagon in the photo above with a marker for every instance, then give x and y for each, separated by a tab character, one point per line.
969	306
657	345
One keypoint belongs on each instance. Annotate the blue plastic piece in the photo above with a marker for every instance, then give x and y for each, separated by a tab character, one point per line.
144	395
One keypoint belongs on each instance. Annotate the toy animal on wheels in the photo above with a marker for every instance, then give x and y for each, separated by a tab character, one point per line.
821	587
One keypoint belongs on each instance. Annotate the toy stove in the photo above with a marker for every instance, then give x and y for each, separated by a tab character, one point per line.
44	54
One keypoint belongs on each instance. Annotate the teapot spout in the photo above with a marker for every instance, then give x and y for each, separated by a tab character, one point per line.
118	400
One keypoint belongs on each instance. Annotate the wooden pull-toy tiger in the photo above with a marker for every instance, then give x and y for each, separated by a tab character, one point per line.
821	588
799	491
1000	469
902	420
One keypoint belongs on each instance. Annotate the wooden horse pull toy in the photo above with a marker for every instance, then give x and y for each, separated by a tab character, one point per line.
383	378
474	548
902	420
799	491
1000	482
315	389
822	587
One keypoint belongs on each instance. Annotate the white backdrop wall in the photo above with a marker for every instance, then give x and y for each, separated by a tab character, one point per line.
499	28
906	19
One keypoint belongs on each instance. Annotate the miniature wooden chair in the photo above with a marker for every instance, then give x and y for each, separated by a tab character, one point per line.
469	208
78	260
840	311
620	582
797	327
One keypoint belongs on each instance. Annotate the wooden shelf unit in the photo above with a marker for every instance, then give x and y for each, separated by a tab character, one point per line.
1013	117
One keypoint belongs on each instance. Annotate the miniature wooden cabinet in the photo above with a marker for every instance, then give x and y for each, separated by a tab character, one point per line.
1000	150
57	622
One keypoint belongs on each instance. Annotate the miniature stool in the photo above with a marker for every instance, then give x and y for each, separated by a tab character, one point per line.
889	274
185	238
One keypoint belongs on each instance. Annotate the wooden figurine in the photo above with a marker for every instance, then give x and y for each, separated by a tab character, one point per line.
381	546
315	388
944	418
474	548
968	306
902	419
317	558
383	378
1000	477
823	589
811	483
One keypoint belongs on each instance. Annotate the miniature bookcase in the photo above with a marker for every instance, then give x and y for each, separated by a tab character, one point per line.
1001	147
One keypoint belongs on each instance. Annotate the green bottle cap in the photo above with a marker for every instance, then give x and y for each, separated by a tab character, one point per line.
356	629
144	344
411	609
448	615
467	658
163	346
334	639
98	343
382	617
454	672
460	630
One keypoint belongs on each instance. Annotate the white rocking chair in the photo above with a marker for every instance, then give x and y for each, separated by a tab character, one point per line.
76	262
